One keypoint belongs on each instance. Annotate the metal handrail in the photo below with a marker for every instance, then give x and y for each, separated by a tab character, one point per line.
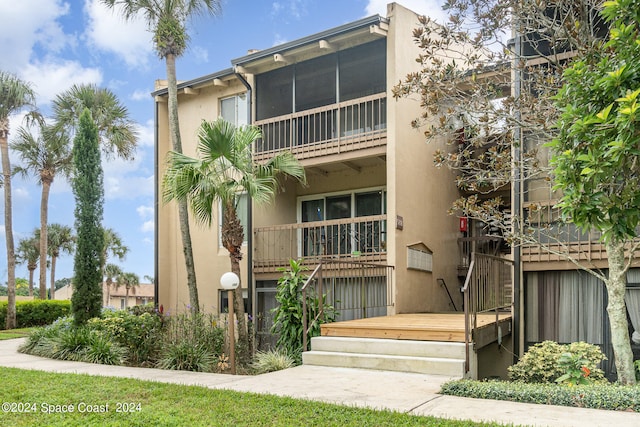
475	301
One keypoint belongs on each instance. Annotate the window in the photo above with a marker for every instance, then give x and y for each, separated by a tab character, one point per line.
343	239
234	109
242	210
224	300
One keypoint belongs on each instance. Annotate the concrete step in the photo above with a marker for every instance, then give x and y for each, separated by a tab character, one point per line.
422	365
434	349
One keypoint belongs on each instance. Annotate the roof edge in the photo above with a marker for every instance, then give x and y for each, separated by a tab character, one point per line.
364	22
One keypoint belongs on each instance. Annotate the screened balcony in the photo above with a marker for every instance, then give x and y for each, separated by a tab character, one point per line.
360	238
330	104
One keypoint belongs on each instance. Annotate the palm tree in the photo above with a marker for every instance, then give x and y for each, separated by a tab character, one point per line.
29	252
45	156
130	281
60	239
15	95
116	130
111	271
167	20
224	170
112	246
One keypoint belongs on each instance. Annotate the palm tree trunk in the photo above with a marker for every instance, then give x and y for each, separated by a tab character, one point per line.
232	238
8	227
617	311
44	213
31	281
53	277
126	298
183	211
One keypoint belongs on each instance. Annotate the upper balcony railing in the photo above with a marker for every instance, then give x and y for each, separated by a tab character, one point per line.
332	129
361	238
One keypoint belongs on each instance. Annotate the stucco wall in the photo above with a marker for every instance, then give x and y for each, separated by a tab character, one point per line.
418	192
211	260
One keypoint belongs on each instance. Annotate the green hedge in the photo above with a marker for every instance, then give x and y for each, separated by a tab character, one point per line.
596	396
36	312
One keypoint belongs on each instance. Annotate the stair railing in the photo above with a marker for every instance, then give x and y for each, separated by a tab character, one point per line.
487	288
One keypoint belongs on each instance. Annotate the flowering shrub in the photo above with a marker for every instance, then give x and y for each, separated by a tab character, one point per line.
541	363
576	371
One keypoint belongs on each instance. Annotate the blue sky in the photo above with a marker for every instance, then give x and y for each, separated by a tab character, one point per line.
54	44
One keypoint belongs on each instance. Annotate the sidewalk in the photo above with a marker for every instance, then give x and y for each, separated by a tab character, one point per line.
403	392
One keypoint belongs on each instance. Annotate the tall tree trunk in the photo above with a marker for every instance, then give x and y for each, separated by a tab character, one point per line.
53	277
126	298
44	213
183	210
616	308
8	226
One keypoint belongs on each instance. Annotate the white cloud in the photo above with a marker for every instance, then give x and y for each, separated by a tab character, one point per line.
293	8
431	8
145	133
145	211
26	24
108	31
20	195
32	26
200	54
148	226
52	78
147	241
140	95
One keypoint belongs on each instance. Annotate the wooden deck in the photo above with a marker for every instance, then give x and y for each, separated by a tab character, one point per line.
420	327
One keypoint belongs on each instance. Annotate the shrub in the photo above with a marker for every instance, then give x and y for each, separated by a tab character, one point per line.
36	312
287	322
270	361
191	341
140	335
596	396
39	340
541	363
186	356
102	349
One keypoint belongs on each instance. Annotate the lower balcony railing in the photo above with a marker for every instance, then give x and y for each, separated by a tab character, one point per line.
361	238
336	128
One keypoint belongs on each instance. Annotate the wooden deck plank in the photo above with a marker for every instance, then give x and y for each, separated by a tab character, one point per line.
422	327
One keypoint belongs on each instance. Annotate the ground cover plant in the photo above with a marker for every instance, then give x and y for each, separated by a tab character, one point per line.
555	374
145	403
136	337
597	396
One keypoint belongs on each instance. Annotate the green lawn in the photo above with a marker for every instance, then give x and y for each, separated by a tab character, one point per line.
14	333
158	404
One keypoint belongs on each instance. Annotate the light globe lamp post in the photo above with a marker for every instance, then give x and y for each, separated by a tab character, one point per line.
231	281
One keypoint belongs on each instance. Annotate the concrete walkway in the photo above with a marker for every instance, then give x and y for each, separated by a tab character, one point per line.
411	393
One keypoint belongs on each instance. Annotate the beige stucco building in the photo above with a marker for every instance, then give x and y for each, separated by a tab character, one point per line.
116	296
373	193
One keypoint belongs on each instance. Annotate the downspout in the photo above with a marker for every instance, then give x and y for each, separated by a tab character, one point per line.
517	198
156	284
250	286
